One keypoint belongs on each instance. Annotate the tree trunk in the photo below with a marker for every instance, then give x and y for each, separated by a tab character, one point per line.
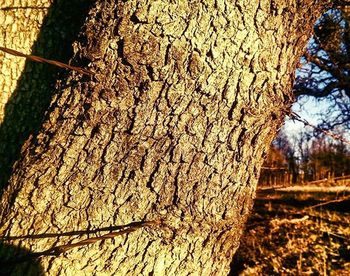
19	28
169	134
45	28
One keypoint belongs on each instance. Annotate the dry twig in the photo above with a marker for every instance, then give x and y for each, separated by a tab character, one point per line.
296	117
49	61
58	250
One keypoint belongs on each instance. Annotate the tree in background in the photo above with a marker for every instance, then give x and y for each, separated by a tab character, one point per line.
328	159
282	143
325	74
310	156
280	165
325	71
301	144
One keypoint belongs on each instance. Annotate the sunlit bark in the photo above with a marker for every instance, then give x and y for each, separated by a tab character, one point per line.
185	101
40	27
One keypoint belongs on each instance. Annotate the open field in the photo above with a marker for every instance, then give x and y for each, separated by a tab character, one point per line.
297	231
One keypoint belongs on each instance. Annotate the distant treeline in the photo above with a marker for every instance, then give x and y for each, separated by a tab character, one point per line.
304	158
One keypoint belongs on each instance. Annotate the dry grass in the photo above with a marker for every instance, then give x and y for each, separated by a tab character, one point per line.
284	237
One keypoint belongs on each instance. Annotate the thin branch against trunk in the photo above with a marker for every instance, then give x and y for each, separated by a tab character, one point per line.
49	61
60	249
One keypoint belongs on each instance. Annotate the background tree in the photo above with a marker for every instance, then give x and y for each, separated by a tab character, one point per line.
325	71
314	156
328	159
290	154
168	134
281	166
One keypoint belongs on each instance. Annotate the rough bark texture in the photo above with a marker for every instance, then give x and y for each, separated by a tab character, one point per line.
40	27
19	28
186	99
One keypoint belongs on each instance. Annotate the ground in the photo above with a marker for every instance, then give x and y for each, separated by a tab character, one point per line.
288	234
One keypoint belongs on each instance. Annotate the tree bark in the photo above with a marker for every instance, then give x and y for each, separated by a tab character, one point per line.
19	28
171	130
46	28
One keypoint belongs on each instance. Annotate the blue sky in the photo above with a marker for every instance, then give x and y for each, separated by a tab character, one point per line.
307	108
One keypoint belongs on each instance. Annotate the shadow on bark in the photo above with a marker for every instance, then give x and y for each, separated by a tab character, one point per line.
15	261
25	109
